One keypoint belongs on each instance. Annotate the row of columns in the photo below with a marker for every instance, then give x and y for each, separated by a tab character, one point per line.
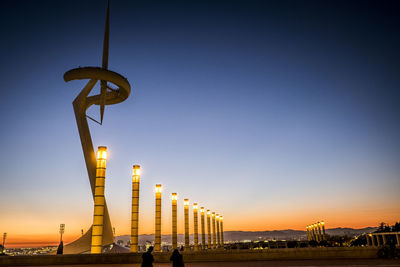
316	231
217	225
375	240
213	220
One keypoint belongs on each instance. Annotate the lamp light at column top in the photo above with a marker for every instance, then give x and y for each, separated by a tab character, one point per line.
136	174
195	206
208	212
102	152
136	170
322	223
221	218
213	214
158	188
202	209
174	196
186	202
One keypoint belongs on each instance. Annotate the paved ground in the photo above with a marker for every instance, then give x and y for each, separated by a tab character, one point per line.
306	263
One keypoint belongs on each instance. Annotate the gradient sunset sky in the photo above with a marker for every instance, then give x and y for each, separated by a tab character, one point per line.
276	114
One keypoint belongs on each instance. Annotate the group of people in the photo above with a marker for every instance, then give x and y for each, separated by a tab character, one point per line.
176	258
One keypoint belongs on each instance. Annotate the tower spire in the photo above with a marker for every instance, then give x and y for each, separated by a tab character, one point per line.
106	38
103	84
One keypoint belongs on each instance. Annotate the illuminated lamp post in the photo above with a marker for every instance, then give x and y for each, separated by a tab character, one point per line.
174	198
135	208
186	216
214	245
98	216
203	229
218	233
308	233
195	227
221	222
323	230
209	229
157	239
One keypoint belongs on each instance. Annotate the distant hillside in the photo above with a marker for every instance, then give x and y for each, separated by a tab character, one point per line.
350	231
255	235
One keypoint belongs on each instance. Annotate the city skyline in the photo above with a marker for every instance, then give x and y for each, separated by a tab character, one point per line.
261	112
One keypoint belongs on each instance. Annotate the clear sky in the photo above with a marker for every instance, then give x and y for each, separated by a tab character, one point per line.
274	114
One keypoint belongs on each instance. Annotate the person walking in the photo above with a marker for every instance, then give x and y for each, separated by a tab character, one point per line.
147	258
177	259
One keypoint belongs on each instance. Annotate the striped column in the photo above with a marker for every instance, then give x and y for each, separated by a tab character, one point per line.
221	222
135	208
209	229
203	229
315	232
98	216
174	198
319	231
195	227
186	217
323	230
157	239
218	233
214	245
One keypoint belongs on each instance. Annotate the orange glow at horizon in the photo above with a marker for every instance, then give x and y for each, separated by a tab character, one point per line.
41	237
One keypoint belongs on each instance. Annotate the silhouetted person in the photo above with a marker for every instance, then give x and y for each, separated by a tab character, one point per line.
177	259
392	247
60	248
148	259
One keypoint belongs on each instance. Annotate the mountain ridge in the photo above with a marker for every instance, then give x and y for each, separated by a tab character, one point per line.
235	236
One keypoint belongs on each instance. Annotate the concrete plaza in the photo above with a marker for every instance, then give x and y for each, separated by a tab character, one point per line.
309	263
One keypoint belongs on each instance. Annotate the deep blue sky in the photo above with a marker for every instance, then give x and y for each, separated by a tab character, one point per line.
276	114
